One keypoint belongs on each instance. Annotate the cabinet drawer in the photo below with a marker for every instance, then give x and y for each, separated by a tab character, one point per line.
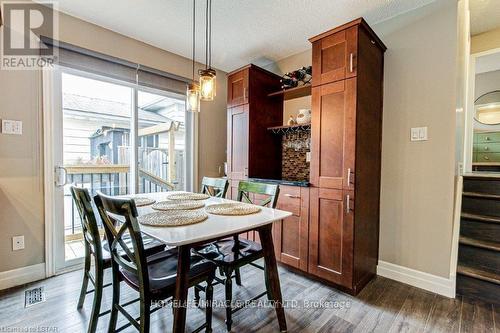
488	157
487	147
487	137
289	199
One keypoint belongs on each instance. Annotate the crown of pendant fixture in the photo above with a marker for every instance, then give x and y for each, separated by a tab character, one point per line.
208	75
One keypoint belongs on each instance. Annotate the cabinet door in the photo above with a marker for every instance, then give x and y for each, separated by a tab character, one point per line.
237	142
331	235
292	233
335	57
237	88
333	135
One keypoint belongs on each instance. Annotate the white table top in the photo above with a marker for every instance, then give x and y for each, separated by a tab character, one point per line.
214	227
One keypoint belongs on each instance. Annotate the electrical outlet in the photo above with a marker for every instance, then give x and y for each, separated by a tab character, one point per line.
17	243
12	127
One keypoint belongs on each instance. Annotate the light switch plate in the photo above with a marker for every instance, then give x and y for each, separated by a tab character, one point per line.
308	156
12	127
418	134
17	243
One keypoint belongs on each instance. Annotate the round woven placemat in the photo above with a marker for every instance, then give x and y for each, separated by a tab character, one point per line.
188	196
173	218
232	209
143	201
178	205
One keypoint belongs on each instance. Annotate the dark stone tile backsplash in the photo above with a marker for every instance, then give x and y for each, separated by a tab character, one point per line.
295	146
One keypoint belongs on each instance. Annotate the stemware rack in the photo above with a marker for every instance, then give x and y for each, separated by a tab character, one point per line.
282	130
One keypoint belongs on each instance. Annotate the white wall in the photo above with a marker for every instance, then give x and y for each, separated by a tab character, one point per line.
486	82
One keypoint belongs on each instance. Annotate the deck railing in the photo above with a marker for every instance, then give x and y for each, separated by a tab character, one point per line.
110	179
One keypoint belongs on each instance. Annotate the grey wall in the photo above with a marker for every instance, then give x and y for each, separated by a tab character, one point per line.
416	217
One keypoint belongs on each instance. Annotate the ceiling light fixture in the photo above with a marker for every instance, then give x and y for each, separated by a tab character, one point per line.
193	89
208	75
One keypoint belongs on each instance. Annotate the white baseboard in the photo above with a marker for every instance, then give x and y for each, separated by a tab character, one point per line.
433	283
19	276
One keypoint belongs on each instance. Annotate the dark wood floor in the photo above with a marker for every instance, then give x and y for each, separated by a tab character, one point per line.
383	306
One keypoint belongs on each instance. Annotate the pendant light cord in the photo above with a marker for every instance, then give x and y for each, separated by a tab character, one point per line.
206	34
210	37
194	34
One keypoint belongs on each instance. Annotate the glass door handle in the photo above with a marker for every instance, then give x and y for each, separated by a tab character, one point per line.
61	172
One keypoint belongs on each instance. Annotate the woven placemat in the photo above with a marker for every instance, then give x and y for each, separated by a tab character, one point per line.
178	205
232	208
143	201
172	218
188	196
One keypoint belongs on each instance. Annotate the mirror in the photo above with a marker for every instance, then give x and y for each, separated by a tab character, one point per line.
487	108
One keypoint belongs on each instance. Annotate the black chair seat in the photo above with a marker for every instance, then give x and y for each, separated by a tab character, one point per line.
227	253
162	268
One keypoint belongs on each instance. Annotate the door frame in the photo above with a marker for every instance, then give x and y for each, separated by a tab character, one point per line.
52	100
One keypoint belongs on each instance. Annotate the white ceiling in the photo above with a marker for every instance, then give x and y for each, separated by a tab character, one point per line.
485	15
244	31
488	63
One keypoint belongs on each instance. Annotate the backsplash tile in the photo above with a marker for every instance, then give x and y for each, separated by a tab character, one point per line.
295	146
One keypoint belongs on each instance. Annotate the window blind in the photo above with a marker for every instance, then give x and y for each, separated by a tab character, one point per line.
101	64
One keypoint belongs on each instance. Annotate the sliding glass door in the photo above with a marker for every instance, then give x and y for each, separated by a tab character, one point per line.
161	142
116	138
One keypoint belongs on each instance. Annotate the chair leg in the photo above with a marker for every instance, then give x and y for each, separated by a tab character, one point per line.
229	298
113	317
145	316
237	276
210	297
96	305
196	296
85	282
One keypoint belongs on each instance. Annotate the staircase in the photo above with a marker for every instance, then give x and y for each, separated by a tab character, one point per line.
478	271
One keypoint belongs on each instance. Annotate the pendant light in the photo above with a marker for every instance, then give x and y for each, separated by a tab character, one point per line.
208	75
193	89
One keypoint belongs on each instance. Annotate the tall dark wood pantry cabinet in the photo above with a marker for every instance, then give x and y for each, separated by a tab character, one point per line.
348	67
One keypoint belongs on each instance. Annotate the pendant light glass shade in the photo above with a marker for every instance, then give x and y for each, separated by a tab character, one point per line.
207	84
193	98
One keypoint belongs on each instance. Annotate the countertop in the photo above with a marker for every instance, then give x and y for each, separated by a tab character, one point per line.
281	182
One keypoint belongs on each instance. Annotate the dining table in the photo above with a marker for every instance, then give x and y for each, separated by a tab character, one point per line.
216	227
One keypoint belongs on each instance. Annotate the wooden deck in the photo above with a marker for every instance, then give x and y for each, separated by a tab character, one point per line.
383	306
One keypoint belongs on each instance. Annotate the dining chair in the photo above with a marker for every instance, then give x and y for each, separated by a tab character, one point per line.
153	277
98	249
230	254
214	187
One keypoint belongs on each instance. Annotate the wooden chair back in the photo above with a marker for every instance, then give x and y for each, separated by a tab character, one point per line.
214	187
90	227
123	211
271	191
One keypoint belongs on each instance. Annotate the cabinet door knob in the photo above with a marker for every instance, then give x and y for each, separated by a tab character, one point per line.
486	148
486	158
292	196
351	62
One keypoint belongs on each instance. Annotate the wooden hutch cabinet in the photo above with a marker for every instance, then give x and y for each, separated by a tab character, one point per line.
334	230
346	132
251	148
